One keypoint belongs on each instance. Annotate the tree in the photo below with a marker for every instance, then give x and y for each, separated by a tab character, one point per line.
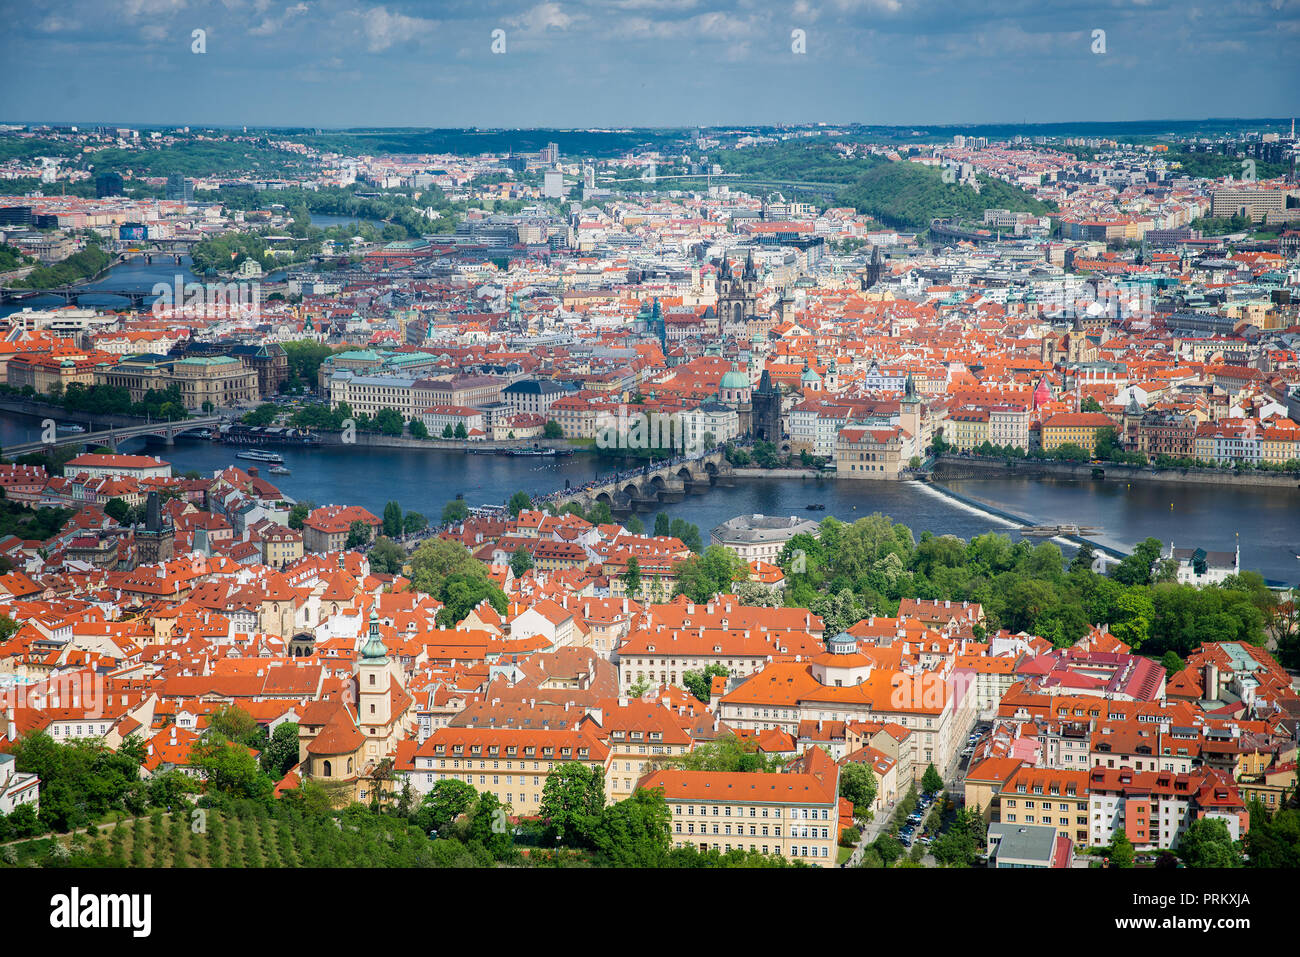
1208	843
233	722
392	520
418	429
520	561
387	557
572	801
281	751
1121	851
518	502
662	525
489	825
298	514
228	768
448	432
699	683
118	510
553	430
413	523
700	577
858	785
632	578
455	512
1172	663
446	801
1135	569
634	832
462	592
358	534
931	781
460	432
634	525
438	558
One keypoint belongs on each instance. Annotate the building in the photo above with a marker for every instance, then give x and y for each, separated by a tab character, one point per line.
761	536
1254	203
109	465
872	453
512	763
205	382
1154	808
16	790
1196	566
793	815
156	542
1075	428
1031	846
533	395
328	528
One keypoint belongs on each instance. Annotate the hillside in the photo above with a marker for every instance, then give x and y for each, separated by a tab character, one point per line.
908	195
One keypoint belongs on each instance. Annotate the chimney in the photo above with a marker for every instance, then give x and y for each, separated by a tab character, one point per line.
11	726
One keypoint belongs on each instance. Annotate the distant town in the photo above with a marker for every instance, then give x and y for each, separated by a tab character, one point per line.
263	604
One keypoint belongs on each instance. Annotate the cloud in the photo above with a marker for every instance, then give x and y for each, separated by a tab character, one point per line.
151	8
545	16
383	29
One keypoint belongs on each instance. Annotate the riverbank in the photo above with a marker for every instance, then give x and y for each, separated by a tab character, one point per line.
793	473
948	467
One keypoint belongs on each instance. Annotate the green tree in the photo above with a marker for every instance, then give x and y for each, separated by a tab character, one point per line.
392	520
553	430
520	561
281	751
518	502
662	525
1208	843
931	781
358	534
1121	851
573	798
632	578
634	832
387	557
699	683
455	512
446	801
858	785
418	429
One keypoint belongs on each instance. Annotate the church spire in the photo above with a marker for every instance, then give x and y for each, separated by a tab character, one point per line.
373	651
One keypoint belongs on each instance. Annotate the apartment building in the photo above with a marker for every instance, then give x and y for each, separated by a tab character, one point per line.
1048	796
793	815
512	763
1154	808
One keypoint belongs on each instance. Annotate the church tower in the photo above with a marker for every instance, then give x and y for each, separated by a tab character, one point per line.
374	678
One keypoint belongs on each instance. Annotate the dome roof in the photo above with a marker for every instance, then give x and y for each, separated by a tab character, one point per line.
735	379
809	376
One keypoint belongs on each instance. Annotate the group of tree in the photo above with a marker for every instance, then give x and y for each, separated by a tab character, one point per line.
849	571
447	570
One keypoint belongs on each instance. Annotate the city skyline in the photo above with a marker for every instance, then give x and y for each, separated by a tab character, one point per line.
644	63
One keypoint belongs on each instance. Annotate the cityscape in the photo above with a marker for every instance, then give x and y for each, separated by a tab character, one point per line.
872	494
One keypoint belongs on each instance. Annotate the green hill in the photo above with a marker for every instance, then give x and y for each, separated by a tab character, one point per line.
910	195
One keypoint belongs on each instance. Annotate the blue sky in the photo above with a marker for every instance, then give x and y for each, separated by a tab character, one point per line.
340	63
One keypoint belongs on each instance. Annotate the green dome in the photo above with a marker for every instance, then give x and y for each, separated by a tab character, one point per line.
809	376
735	379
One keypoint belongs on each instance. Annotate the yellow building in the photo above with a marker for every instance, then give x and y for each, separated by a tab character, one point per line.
1075	428
792	815
967	429
512	763
871	453
1047	796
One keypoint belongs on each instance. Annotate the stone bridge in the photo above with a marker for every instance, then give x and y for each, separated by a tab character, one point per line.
650	487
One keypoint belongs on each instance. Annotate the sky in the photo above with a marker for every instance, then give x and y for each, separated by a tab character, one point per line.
637	63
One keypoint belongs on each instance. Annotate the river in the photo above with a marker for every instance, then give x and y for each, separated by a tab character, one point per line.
135	273
1268	520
